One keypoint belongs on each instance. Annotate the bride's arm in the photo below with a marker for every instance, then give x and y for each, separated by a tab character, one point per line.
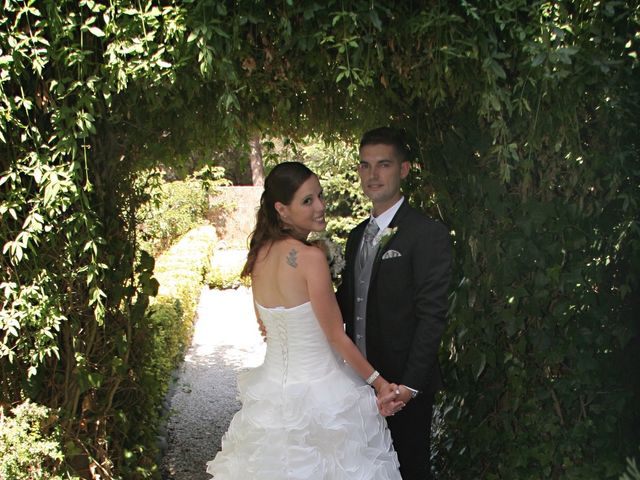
325	306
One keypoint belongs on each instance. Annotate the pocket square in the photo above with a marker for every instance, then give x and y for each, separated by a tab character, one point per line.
391	254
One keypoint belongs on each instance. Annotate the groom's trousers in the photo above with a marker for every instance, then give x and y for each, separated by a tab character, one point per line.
411	433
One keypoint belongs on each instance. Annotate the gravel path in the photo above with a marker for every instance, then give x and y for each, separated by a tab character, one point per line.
204	397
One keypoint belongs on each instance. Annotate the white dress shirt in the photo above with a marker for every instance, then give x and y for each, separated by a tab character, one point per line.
384	219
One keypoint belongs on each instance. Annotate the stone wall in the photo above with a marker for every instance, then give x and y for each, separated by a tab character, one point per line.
233	213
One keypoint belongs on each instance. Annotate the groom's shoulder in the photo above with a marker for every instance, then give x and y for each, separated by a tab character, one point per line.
419	217
421	224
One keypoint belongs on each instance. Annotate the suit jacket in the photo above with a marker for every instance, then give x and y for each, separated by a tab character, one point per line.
407	300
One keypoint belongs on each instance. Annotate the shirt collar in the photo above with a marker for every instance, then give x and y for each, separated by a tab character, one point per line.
384	219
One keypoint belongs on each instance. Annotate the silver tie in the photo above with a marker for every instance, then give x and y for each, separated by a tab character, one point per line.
367	244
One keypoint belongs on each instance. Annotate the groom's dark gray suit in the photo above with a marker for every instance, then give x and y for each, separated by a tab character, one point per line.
405	319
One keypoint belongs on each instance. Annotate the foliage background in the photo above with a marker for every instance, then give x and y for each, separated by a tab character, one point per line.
175	207
523	119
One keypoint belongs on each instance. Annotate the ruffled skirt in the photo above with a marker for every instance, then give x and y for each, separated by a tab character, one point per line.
327	429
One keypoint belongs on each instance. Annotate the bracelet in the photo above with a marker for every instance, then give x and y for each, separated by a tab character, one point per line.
373	377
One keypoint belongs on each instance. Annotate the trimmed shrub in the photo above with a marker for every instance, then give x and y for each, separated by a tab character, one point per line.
163	336
182	269
180	273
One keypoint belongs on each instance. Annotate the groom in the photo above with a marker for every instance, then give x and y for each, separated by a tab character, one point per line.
393	294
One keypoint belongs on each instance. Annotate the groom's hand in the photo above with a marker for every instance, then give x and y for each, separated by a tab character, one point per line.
404	394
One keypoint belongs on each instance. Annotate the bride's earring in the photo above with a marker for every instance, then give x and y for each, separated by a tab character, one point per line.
283	217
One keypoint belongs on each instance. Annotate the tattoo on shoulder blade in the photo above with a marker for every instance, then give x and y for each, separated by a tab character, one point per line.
292	258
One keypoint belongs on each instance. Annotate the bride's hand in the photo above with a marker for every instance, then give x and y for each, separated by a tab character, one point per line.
263	330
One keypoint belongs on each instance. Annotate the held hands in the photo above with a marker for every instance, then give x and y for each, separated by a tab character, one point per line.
389	397
388	401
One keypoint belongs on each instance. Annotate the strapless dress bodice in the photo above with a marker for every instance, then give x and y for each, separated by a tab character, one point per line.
297	349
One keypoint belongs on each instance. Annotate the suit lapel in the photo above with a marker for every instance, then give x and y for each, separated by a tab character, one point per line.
358	232
397	219
352	254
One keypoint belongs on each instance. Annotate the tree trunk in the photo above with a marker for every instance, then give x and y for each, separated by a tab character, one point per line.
255	157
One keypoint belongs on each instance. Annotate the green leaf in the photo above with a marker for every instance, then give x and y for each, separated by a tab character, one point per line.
479	363
375	19
96	31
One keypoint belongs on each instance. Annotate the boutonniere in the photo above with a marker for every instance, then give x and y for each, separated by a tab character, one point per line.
386	235
332	250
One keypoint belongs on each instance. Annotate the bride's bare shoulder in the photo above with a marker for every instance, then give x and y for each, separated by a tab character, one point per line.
295	251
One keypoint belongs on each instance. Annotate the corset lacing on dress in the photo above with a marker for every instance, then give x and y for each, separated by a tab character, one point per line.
284	347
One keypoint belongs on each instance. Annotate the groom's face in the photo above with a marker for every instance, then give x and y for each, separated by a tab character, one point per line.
381	172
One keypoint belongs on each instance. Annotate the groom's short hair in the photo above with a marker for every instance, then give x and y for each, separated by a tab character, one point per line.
388	136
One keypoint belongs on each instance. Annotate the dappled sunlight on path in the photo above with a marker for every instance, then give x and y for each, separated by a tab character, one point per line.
227	320
226	341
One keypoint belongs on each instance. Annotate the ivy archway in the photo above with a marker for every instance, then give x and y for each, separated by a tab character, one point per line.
525	120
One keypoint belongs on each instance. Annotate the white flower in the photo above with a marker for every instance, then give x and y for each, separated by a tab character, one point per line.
332	250
386	235
336	264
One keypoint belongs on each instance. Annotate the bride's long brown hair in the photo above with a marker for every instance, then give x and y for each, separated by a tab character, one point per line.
280	186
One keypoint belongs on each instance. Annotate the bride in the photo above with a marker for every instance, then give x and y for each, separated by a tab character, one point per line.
306	414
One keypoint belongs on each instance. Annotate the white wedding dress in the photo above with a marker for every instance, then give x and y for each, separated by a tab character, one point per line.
305	414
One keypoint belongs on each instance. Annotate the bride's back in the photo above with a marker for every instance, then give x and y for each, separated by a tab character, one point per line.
277	278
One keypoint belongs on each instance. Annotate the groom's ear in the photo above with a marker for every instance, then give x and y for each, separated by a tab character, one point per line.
405	166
